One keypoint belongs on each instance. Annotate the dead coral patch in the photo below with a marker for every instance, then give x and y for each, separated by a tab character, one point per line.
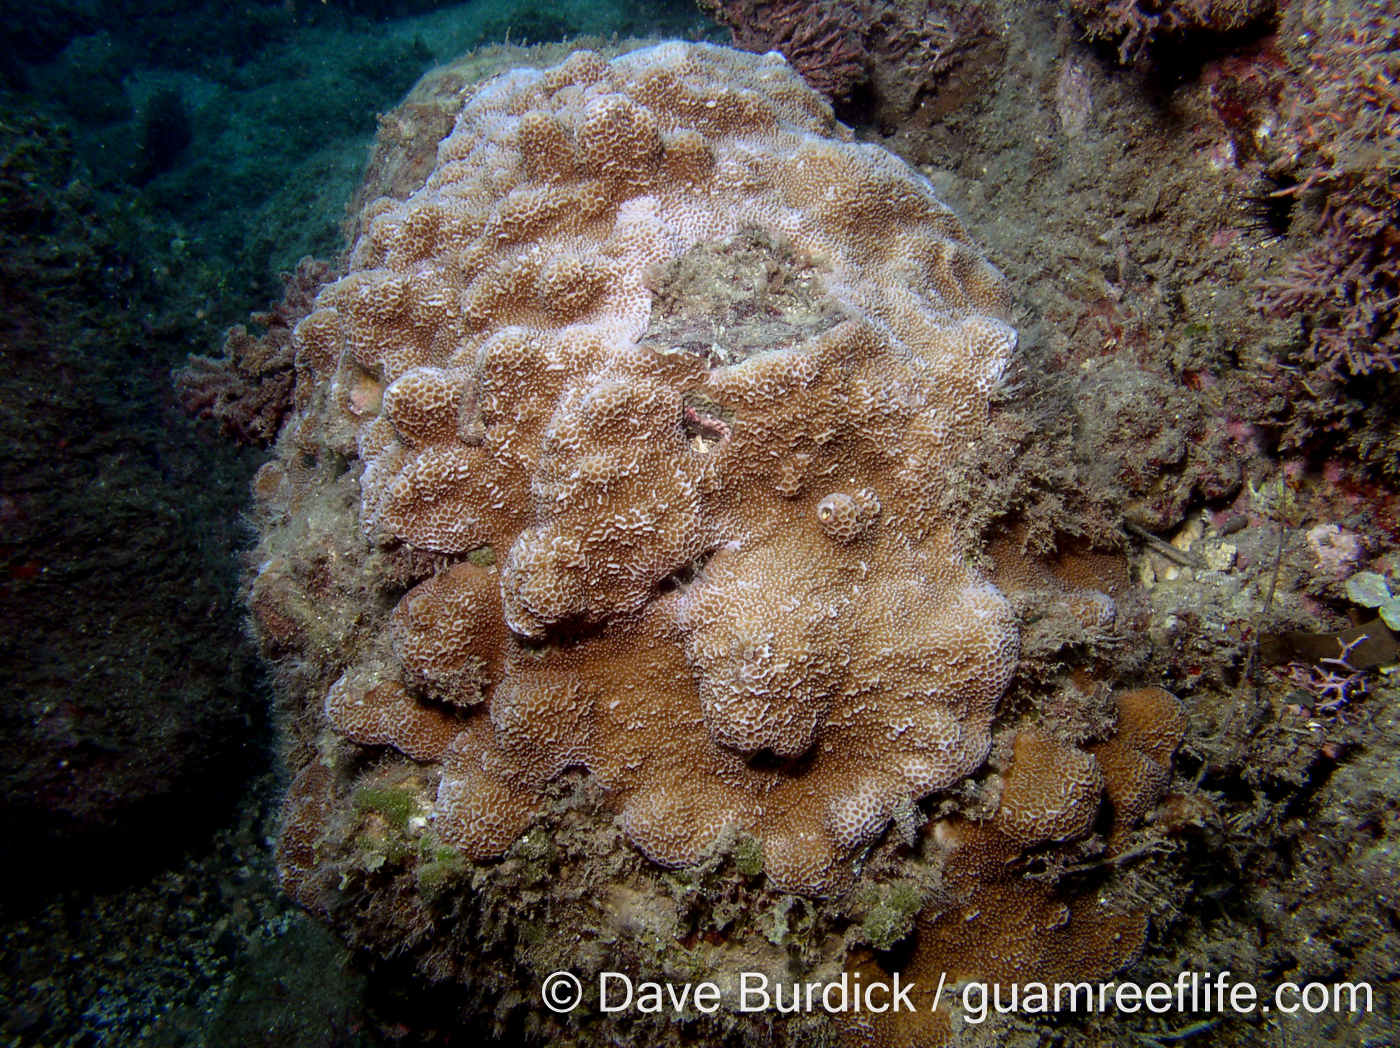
727	301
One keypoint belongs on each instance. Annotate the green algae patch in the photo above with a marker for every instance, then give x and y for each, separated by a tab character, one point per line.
394	806
442	867
891	918
748	856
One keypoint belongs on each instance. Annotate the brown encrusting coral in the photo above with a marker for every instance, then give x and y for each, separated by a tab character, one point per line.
611	565
1006	928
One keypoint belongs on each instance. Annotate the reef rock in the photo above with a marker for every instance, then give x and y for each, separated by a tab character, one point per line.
1133	24
707	569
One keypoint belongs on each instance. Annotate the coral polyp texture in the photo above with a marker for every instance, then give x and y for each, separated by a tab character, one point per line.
708	571
1007	928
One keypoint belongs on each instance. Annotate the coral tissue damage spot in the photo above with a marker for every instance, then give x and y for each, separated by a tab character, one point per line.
695	365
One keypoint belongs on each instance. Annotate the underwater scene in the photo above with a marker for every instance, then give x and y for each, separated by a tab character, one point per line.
832	523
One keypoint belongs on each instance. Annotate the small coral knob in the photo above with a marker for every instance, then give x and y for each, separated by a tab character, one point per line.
844	517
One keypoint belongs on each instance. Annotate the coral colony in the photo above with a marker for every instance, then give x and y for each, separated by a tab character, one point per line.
831	617
536	517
